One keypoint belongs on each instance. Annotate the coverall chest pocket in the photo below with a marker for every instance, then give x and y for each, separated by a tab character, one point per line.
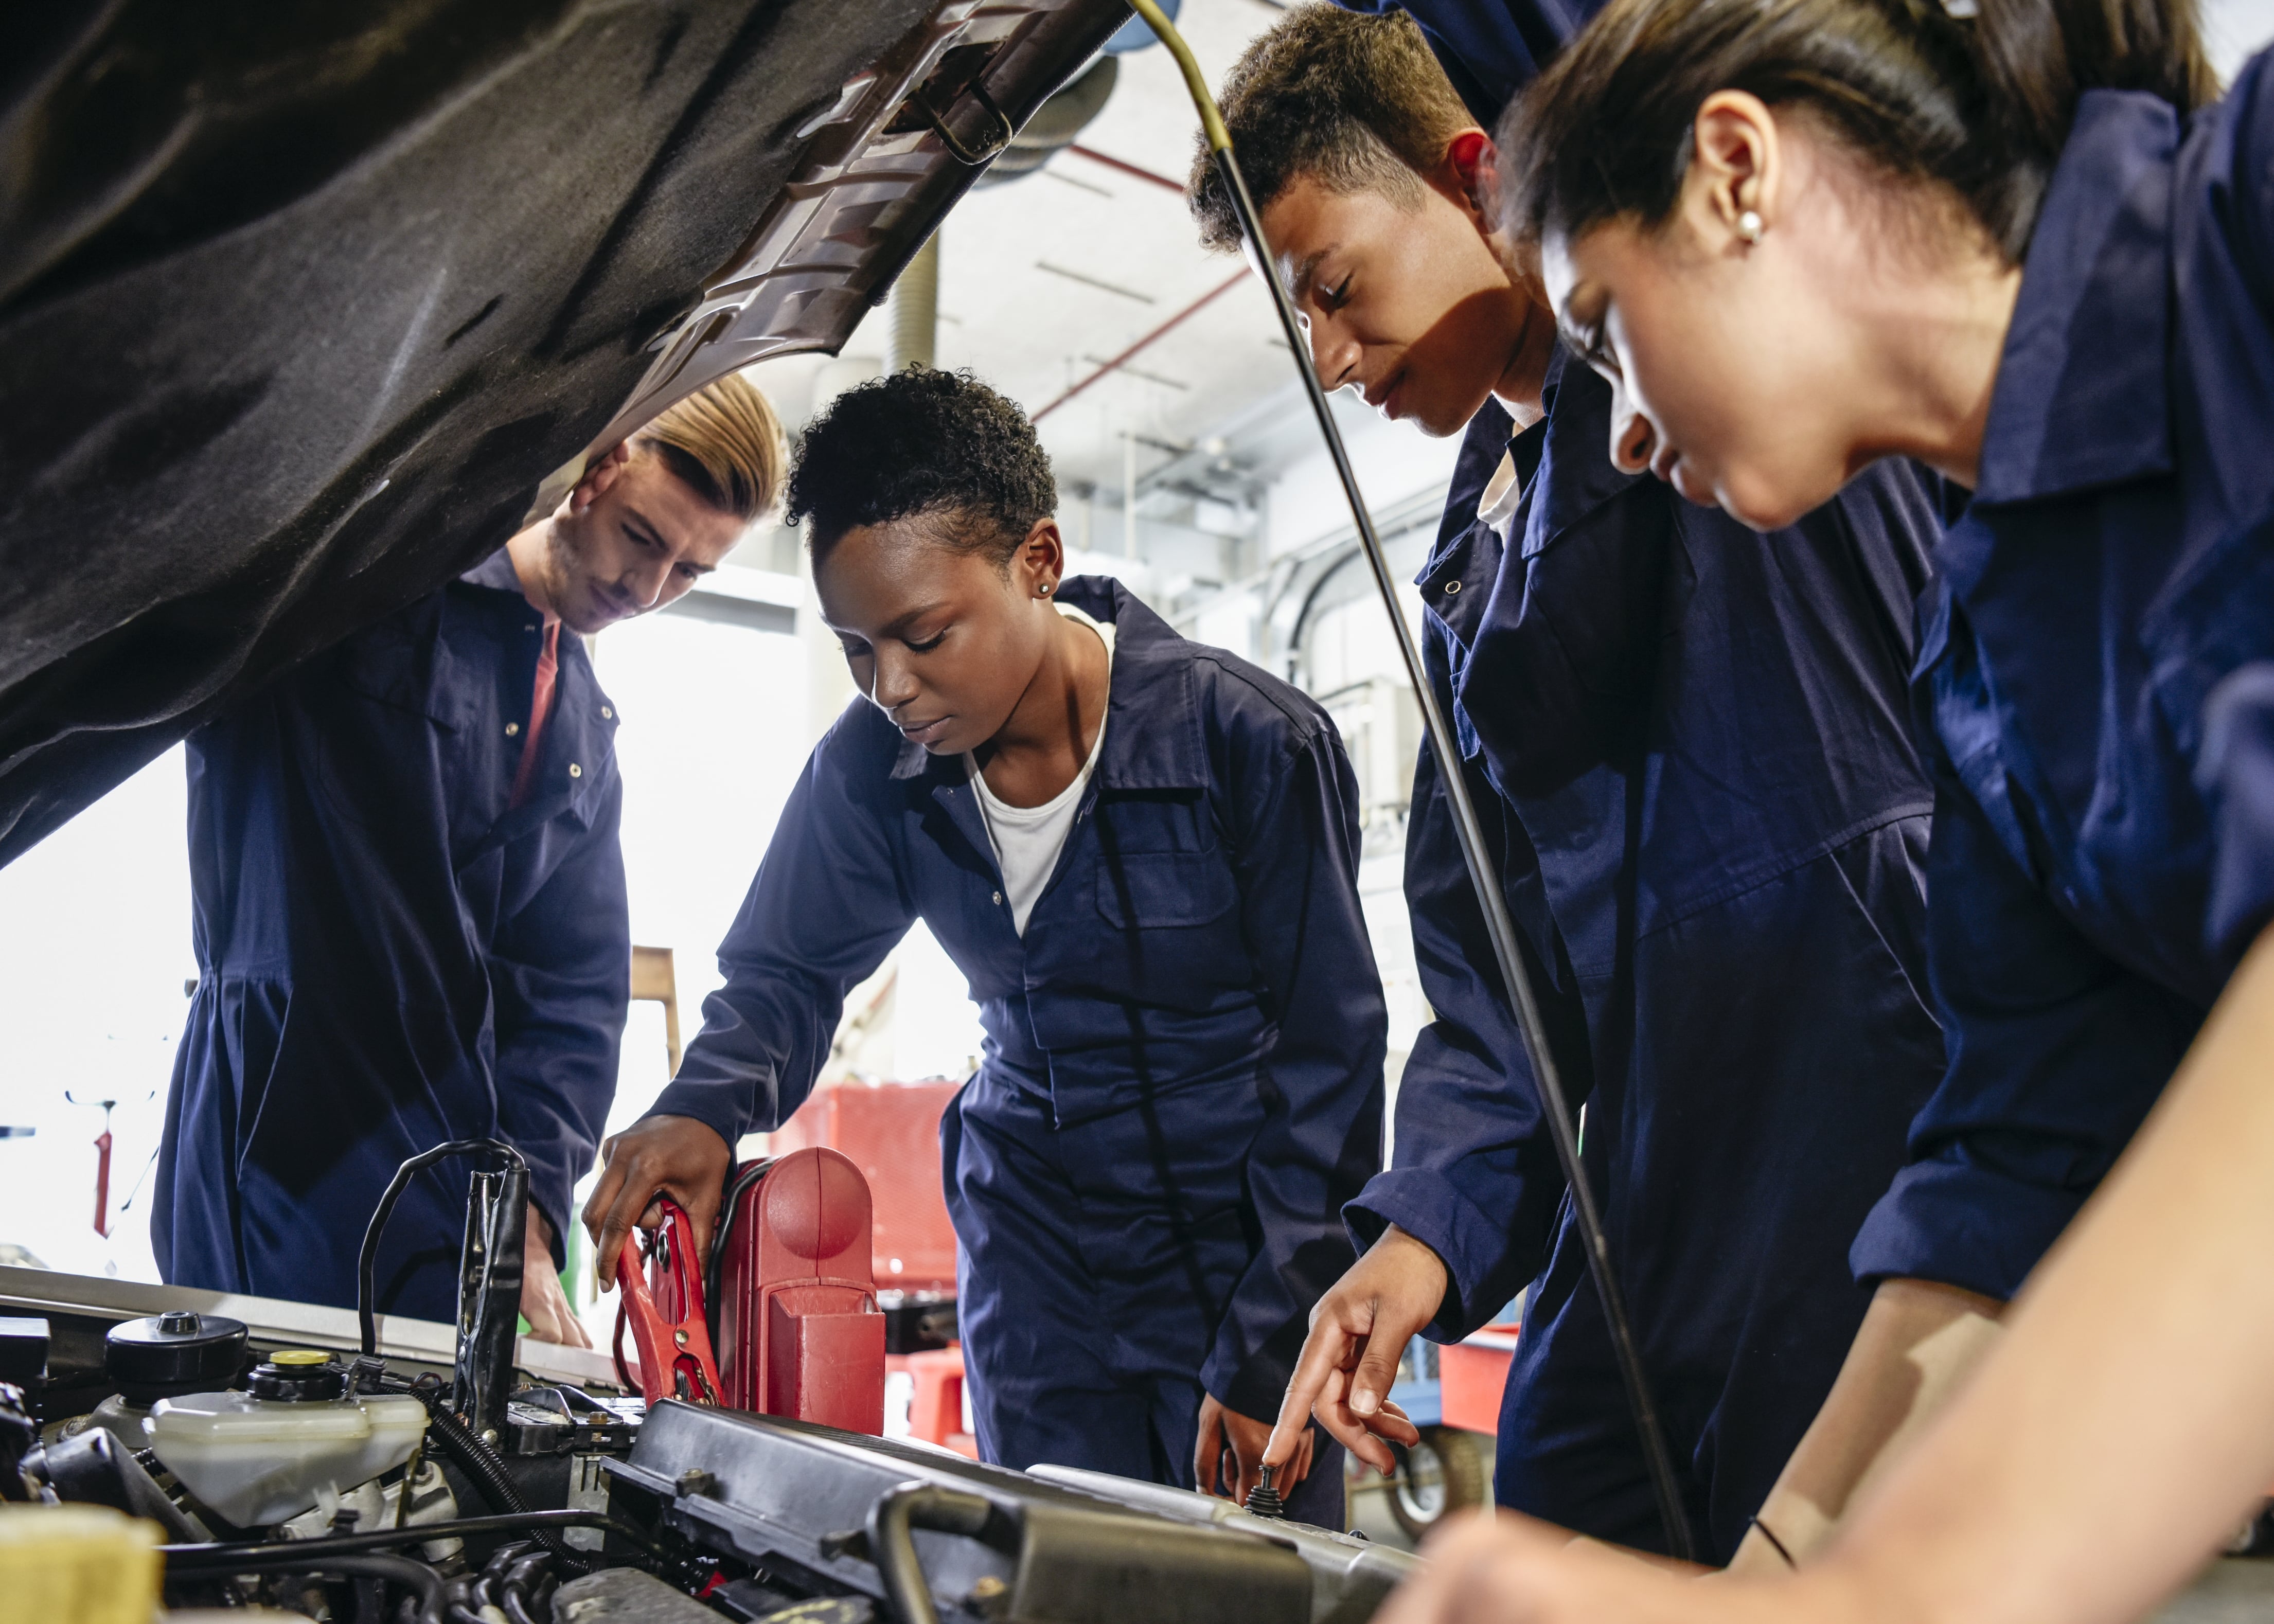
1171	921
392	730
2216	616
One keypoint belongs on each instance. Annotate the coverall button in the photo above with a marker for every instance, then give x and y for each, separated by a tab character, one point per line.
999	899
512	728
574	771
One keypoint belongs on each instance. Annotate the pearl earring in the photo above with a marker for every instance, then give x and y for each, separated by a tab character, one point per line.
1046	589
1750	227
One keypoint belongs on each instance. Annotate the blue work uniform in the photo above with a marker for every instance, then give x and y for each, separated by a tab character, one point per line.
390	956
2236	773
1181	1081
1690	750
2115	563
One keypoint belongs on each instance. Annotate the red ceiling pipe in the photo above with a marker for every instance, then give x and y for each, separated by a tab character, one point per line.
1130	354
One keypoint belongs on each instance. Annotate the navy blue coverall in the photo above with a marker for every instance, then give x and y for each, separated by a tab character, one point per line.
2237	775
1710	822
389	957
2115	564
1489	49
1182	1075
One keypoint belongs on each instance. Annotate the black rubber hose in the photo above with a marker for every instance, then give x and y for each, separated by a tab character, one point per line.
523	1588
367	1264
489	1589
290	1557
504	1557
892	1546
461	1605
420	1533
737	1187
487	1469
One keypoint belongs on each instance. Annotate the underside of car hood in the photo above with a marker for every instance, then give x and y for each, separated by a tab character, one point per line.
301	304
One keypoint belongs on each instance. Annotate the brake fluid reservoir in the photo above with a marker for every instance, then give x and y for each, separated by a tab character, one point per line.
261	1457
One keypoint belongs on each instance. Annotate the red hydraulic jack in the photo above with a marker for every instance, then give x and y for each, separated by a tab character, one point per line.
798	1331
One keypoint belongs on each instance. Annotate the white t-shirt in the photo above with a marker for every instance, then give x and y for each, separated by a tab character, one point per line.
1028	839
1496	507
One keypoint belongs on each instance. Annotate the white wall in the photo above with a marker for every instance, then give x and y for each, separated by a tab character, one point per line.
94	921
712	740
1393	461
2238	30
94	947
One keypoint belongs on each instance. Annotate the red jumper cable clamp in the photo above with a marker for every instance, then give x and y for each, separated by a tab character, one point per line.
666	1314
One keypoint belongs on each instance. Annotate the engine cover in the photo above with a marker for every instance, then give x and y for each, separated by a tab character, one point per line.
794	1501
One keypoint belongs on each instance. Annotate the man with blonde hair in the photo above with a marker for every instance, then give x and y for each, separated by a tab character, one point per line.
409	898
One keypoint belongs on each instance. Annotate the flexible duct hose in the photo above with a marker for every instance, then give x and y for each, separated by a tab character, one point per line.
488	1468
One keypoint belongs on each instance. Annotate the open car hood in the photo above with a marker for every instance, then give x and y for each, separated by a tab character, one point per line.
300	303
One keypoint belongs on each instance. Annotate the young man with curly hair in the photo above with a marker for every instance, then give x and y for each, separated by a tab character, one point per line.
1143	852
1690	748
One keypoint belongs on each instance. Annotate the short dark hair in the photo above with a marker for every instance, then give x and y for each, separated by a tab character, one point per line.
1979	106
1355	102
924	443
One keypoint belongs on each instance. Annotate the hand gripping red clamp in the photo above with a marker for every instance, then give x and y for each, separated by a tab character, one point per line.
667	1316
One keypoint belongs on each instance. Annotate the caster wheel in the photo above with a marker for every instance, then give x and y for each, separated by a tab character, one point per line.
1442	1475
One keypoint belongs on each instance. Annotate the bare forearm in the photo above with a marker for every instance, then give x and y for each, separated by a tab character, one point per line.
1917	1340
2126	1422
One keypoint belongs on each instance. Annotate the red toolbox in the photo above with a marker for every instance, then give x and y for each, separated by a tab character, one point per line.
1472	1375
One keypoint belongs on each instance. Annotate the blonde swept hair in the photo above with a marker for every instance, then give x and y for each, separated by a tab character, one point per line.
725	442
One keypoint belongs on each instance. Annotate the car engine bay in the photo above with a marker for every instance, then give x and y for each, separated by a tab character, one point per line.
386	1484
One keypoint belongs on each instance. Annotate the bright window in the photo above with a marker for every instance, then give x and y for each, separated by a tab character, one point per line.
96	949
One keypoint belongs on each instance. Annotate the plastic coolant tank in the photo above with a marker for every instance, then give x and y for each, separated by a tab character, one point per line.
77	1565
259	1461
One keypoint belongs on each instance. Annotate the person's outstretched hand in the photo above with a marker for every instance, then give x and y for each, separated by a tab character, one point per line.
676	1156
1348	1362
1226	1431
543	1303
1496	1567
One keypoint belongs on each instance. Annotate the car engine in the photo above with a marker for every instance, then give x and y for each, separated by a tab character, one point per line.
377	1485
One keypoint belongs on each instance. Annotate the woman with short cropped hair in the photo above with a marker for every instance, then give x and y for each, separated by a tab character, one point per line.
1143	852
